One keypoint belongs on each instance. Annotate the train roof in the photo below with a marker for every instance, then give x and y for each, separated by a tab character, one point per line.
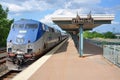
26	21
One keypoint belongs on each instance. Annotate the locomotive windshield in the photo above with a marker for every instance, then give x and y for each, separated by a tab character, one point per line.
18	26
27	26
31	26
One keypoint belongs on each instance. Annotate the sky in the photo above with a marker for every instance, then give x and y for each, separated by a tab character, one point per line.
44	10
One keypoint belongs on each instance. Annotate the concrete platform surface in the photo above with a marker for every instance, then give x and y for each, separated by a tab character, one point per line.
66	64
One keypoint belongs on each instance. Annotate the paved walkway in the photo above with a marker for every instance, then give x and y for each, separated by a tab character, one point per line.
66	64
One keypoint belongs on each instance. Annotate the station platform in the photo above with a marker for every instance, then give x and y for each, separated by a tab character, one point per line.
66	64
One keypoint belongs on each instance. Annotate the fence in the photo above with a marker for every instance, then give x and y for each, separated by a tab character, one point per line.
102	42
112	53
111	49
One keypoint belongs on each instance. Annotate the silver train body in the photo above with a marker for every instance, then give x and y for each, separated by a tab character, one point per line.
26	43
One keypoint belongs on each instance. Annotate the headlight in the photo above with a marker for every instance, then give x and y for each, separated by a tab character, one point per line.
20	40
9	45
19	56
29	46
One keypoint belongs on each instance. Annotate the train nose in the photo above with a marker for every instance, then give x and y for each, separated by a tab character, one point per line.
20	55
20	40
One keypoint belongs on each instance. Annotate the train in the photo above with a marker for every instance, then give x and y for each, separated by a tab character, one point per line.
27	40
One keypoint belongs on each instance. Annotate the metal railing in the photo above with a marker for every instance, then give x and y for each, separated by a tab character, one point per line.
111	49
112	53
102	42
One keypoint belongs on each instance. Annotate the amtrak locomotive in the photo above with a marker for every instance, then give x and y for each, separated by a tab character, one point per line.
27	40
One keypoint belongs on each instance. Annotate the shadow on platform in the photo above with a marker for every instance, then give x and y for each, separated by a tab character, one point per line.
88	48
91	49
64	48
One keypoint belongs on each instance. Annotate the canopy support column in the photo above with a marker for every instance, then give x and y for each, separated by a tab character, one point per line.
81	40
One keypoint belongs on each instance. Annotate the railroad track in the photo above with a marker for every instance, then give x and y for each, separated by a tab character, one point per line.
8	75
2	50
3	66
3	58
5	74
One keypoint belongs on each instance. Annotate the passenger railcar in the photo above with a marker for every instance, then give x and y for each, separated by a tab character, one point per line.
27	40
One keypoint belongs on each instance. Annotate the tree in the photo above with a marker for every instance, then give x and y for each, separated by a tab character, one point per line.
97	35
4	25
109	35
87	34
94	34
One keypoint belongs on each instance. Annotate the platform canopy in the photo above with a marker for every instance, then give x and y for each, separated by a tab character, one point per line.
77	24
65	22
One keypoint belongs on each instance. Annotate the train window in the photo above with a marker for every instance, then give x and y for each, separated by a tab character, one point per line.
31	26
46	28
43	26
18	26
52	30
57	31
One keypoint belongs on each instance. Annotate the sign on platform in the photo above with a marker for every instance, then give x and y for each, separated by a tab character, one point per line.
78	20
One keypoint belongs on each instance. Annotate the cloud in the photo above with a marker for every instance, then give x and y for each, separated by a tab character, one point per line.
71	12
84	6
115	22
71	7
57	13
66	12
14	7
31	5
23	6
86	1
60	7
75	4
43	5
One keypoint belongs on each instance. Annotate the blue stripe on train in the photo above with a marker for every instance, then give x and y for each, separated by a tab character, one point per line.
26	34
